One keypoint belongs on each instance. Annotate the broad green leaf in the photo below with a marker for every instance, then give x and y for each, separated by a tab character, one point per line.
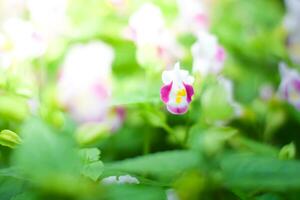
48	158
245	144
165	164
210	140
10	187
246	171
136	192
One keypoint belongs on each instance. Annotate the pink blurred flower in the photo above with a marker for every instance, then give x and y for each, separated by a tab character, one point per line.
20	40
228	87
84	86
147	29
289	88
266	92
193	16
11	9
49	15
146	24
177	91
208	54
292	25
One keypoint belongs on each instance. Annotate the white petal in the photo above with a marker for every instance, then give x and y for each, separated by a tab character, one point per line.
128	179
109	180
167	77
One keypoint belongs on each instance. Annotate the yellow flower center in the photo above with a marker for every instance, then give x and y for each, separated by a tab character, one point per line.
181	93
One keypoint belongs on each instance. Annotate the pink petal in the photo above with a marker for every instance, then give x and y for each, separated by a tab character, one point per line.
296	83
177	110
189	91
165	92
101	90
201	19
220	54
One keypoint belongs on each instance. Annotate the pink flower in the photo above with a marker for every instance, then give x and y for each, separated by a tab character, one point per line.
84	86
289	88
292	25
20	41
193	16
208	54
177	91
156	44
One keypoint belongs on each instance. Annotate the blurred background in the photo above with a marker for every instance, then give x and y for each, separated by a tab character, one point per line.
80	109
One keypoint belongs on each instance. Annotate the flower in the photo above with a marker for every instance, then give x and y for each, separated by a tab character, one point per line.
177	91
154	41
120	5
193	16
218	104
292	24
208	55
172	194
228	87
84	85
146	24
20	40
289	88
50	16
125	179
266	92
11	9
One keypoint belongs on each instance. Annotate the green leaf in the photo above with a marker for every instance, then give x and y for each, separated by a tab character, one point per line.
288	151
9	138
92	166
210	140
246	171
10	187
48	158
136	192
165	164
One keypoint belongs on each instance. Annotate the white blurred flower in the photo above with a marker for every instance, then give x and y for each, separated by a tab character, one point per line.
292	16
25	38
292	24
11	9
84	85
49	15
289	88
121	5
266	92
153	40
228	87
171	194
109	180
193	15
168	48
20	40
147	24
125	179
208	55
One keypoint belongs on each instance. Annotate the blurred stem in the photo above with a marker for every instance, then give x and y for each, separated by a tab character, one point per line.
147	142
170	131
